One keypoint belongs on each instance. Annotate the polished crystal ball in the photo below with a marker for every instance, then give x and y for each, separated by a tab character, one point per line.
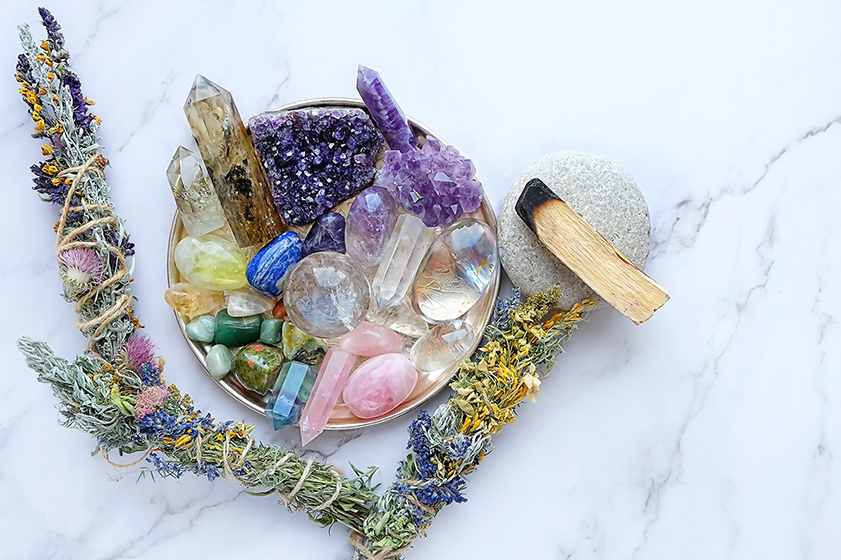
327	294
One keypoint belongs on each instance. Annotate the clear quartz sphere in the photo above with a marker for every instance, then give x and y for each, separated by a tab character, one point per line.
456	270
326	294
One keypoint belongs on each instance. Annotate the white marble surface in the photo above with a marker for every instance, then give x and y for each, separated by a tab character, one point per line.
709	432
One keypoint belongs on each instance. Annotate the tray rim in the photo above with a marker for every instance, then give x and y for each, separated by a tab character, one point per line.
439	385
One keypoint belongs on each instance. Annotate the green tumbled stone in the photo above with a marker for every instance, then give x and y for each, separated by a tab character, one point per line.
201	329
218	361
237	331
298	345
270	331
257	366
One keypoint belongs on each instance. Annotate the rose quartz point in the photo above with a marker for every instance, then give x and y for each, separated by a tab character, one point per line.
379	385
329	384
369	339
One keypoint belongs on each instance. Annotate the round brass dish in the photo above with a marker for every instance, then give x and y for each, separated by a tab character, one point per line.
341	418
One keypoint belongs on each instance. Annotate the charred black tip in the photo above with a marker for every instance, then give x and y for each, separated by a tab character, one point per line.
534	195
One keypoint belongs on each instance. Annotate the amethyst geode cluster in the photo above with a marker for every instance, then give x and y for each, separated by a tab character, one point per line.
435	183
315	158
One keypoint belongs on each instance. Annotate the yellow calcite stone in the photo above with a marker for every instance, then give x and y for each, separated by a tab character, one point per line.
211	262
192	301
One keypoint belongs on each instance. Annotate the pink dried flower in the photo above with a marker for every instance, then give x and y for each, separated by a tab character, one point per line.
149	400
139	350
82	265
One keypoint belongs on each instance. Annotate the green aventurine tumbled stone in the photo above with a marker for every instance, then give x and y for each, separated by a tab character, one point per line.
270	331
236	331
257	366
219	361
298	345
201	329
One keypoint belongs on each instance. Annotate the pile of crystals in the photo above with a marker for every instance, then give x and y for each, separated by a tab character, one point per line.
377	291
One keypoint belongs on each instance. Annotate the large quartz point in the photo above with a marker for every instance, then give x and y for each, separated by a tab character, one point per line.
195	198
232	162
369	224
400	317
458	267
402	256
443	346
326	294
325	393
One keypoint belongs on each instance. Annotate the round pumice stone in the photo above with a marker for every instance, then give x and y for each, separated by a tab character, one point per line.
596	188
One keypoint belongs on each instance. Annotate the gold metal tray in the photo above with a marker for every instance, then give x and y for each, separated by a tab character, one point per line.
341	418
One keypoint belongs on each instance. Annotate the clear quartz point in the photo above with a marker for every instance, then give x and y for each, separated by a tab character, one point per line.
402	256
444	345
194	196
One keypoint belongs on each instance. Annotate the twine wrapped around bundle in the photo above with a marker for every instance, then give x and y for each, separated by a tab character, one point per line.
117	394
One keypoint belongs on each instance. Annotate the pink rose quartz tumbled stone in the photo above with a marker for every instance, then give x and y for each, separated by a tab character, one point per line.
379	385
369	339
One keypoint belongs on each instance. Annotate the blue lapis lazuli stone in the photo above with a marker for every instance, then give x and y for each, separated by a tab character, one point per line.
267	270
292	390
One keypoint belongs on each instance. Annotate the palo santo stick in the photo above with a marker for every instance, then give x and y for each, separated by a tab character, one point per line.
589	255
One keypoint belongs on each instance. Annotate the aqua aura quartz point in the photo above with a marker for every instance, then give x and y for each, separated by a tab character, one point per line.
194	195
456	270
232	163
291	392
402	256
211	262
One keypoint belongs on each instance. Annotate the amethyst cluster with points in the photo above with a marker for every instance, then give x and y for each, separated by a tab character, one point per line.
315	158
435	183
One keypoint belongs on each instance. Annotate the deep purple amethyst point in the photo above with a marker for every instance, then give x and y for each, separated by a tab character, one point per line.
384	110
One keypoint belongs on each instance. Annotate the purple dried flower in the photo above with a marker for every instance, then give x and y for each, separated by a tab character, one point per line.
140	349
149	400
54	35
82	266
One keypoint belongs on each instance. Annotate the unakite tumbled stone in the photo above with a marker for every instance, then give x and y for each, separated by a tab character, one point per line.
257	366
236	331
201	329
218	361
271	330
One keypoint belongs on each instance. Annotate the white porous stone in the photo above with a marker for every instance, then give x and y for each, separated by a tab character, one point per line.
602	193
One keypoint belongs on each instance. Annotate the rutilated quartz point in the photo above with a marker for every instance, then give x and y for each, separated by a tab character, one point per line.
401	258
194	195
329	385
232	163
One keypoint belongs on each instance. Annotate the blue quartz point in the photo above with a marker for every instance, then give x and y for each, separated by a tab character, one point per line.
292	390
267	270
